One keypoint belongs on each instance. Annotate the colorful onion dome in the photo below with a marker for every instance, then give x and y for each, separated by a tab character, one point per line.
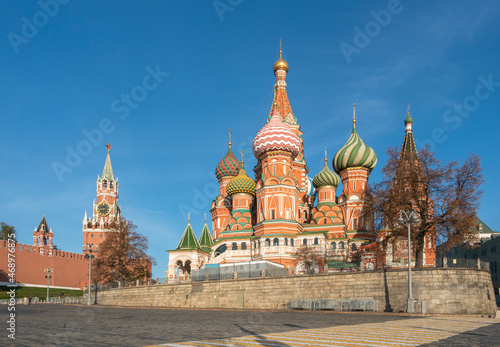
276	136
311	191
228	166
280	64
354	153
241	184
326	177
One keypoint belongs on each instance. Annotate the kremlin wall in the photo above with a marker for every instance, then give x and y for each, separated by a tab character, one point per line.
69	269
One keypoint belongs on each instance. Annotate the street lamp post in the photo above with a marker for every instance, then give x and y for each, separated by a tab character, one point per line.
48	270
89	256
409	217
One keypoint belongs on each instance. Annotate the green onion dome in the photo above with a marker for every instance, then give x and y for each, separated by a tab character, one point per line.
354	154
326	177
241	184
228	166
408	119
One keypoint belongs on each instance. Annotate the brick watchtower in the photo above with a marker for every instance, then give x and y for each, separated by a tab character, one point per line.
105	209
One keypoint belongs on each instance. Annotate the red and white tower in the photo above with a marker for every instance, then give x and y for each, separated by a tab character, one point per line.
105	209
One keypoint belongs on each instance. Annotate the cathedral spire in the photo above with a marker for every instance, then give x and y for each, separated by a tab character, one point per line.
408	142
283	107
354	115
107	172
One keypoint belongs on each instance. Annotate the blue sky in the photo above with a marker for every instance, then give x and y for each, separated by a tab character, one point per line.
67	73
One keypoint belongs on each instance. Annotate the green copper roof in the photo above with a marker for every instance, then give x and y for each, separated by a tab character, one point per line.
107	173
241	184
188	239
408	119
326	177
205	238
354	154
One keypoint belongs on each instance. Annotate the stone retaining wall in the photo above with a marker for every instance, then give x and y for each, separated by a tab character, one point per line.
444	290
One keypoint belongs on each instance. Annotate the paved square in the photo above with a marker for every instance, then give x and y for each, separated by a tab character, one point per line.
74	325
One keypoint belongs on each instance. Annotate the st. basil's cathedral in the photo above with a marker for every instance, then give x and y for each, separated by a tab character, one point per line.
282	208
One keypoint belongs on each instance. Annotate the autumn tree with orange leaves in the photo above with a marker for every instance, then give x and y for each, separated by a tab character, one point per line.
445	196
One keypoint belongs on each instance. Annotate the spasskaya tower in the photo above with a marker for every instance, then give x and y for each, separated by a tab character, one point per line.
105	209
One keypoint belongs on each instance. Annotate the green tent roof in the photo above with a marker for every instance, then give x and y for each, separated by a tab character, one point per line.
188	239
205	238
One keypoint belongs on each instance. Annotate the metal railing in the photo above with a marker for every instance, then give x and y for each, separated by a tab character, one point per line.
52	300
334	304
238	271
463	262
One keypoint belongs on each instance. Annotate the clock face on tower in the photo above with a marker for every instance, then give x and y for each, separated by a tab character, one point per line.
103	209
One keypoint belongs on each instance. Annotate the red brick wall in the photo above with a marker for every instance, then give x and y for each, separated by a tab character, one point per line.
70	269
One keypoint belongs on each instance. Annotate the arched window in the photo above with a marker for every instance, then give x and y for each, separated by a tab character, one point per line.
355	224
243	246
341	245
286	241
354	185
187	266
334	245
234	246
110	184
291	242
104	184
276	242
305	214
304	242
316	241
220	250
353	247
268	242
272	214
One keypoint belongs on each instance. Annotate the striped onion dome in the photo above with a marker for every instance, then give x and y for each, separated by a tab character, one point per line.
276	136
354	154
228	166
326	177
311	191
241	184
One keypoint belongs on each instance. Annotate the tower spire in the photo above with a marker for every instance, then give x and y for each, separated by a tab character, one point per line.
326	157
242	158
107	172
354	115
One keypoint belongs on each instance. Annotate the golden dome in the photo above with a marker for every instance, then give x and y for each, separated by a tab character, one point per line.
280	64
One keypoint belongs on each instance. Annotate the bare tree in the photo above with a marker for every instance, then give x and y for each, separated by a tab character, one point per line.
122	256
309	257
445	197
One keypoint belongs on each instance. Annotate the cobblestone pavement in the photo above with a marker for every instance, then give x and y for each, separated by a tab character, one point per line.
429	331
72	325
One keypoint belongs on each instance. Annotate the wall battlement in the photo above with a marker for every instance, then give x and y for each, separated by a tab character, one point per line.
69	269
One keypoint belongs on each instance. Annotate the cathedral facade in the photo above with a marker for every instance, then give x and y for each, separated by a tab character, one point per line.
268	217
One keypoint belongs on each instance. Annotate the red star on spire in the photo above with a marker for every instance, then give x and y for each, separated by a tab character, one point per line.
108	146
